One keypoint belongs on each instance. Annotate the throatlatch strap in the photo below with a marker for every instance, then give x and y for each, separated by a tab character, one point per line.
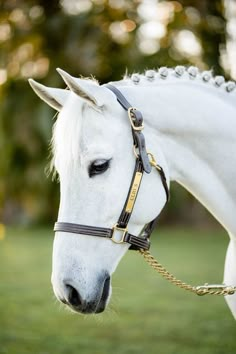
164	181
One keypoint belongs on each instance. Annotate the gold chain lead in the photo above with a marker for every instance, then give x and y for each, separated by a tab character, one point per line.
199	290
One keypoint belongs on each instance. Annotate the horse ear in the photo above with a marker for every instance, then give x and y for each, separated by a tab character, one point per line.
86	89
52	96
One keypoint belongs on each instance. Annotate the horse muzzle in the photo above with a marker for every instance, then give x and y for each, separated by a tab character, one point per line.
94	303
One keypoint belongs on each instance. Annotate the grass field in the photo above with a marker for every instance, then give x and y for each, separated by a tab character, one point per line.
147	314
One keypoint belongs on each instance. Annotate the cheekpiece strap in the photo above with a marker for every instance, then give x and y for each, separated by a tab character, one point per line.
132	194
120	98
136	122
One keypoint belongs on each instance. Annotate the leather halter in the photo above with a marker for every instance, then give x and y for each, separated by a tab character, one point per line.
119	232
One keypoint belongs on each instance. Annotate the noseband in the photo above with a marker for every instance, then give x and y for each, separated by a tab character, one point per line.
144	163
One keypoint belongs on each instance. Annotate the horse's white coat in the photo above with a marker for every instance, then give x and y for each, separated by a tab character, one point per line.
190	127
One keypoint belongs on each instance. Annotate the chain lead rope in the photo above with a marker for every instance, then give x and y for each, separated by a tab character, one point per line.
214	289
199	290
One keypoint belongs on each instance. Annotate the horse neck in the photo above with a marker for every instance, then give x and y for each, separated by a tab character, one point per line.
195	126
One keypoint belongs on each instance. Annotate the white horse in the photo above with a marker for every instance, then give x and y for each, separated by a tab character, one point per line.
190	126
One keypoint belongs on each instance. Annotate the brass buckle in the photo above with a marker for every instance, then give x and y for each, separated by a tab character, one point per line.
131	119
121	229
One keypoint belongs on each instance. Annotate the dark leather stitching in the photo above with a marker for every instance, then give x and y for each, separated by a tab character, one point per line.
99	232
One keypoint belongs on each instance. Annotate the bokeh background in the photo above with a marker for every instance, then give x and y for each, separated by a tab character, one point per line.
103	38
100	38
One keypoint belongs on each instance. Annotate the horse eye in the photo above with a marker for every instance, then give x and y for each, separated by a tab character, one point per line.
99	166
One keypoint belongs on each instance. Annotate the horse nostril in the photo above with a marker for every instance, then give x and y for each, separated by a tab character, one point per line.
74	298
106	288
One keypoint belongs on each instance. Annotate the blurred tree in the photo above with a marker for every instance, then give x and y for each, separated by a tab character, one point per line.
84	37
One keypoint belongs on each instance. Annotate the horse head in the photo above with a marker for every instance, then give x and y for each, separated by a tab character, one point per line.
94	158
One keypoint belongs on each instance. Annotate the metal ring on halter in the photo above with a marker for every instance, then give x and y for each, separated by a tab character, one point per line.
153	162
152	159
135	152
123	234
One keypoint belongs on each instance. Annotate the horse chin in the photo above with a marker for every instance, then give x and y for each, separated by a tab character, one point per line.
90	310
90	307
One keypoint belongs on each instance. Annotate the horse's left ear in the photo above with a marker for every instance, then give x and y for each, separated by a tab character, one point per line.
88	90
54	97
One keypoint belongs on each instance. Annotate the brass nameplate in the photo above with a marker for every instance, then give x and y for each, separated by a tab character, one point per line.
133	192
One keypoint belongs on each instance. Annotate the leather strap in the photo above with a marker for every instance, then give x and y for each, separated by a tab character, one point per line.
139	142
82	229
134	241
164	181
125	215
120	98
137	120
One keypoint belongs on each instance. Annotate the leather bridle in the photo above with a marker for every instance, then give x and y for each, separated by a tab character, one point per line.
144	163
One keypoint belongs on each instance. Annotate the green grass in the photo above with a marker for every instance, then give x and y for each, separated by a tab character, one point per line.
147	314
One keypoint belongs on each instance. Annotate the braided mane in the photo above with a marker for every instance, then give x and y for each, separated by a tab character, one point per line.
183	73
